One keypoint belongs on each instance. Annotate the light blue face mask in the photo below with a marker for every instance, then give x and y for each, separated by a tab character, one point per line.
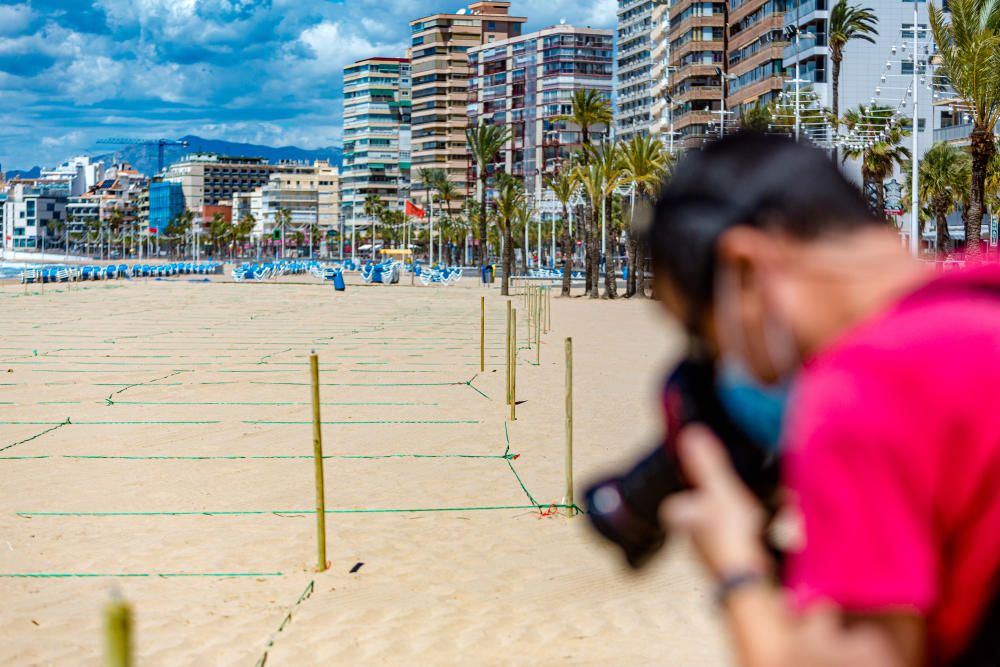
756	408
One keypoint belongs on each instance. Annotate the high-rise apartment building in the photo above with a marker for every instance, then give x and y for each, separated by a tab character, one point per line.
661	110
755	53
634	85
526	82
697	47
376	159
441	73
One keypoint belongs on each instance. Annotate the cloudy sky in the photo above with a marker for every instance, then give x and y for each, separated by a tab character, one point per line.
265	71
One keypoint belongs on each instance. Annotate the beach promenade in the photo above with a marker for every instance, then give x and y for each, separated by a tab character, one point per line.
156	443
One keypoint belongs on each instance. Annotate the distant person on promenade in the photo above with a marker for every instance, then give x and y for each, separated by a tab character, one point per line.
887	376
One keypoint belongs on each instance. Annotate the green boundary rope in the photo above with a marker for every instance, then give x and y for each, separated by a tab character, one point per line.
394	510
310	588
37	435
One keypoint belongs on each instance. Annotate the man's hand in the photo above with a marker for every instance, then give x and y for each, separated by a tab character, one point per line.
720	513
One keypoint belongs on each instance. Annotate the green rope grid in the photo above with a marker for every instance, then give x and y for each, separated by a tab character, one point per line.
118	575
139	384
37	435
239	457
509	458
306	594
294	512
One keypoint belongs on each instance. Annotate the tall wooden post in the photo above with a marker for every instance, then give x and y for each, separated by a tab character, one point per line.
482	334
117	634
570	508
318	461
513	365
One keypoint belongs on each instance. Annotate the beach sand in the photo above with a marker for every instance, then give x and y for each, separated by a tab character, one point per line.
189	421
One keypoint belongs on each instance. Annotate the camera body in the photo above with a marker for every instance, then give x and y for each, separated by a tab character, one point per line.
624	509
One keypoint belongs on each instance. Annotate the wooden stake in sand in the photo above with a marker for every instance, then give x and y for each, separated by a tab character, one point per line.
507	359
117	634
513	364
482	334
538	327
318	460
570	509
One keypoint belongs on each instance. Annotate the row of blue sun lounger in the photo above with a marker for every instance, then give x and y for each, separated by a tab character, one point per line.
439	275
268	270
63	274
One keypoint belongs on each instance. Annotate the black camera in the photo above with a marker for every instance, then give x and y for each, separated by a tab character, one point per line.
624	509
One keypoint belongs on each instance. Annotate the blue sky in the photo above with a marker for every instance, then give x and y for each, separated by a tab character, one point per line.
266	71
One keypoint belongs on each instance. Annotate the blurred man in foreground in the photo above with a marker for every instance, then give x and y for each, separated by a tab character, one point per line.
890	446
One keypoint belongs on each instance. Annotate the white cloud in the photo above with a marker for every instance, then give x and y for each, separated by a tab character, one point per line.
15	18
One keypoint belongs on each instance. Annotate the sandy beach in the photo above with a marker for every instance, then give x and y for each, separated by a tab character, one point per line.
156	442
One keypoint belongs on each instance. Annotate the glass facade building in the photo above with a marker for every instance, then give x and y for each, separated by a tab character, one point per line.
166	202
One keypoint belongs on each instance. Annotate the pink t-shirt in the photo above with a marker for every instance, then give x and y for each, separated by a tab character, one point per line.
893	458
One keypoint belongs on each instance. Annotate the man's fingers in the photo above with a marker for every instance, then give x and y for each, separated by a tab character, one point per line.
681	511
704	459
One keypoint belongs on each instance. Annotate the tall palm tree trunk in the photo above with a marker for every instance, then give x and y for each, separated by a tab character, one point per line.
610	266
583	224
481	251
594	254
982	150
632	249
507	260
835	77
642	253
567	254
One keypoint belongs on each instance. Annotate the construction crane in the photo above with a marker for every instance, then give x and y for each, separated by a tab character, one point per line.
159	143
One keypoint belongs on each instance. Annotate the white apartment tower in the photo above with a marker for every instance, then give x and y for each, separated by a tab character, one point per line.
633	85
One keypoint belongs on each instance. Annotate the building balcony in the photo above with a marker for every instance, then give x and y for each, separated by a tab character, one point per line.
695	70
957	134
699	93
766	54
711	21
754	32
684	118
753	91
692	46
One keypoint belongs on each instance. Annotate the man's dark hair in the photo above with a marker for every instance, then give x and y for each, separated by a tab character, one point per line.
746	179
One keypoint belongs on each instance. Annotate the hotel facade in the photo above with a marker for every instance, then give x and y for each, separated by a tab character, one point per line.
527	82
440	46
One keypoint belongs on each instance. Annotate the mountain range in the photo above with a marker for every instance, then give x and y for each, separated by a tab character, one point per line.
144	157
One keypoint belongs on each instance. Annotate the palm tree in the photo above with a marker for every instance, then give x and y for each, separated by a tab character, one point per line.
116	220
589	108
373	208
877	135
485	142
446	193
606	158
243	229
943	185
756	118
969	52
847	22
510	202
645	164
563	185
218	232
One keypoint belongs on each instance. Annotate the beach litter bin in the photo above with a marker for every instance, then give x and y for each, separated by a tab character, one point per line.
338	281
